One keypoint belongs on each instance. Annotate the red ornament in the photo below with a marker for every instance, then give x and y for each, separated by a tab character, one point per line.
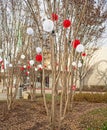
22	68
2	66
66	23
83	54
44	66
1	62
40	69
38	58
54	17
75	43
73	87
74	68
27	73
28	67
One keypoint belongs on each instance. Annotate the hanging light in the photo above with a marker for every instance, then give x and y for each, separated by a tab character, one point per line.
38	49
75	43
30	31
22	56
48	25
66	23
31	62
38	58
80	48
79	64
73	63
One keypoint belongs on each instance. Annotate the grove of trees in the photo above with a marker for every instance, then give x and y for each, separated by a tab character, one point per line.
58	37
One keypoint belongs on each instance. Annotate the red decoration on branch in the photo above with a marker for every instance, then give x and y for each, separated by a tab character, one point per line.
22	68
27	73
66	23
83	54
38	58
75	43
28	67
54	17
73	88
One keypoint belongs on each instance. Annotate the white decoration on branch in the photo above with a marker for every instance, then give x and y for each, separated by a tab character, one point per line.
10	65
36	69
1	50
24	66
22	56
30	31
38	49
48	25
79	64
73	63
80	48
39	66
31	62
1	59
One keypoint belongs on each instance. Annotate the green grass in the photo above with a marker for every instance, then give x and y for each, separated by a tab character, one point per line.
94	120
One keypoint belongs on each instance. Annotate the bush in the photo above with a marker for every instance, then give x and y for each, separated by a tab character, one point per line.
104	127
91	97
94	88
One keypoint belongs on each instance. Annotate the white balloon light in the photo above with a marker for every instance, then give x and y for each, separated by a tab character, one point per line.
24	66
10	65
28	78
30	31
22	56
38	49
48	25
1	59
73	63
1	50
49	67
31	62
36	69
80	48
39	66
79	64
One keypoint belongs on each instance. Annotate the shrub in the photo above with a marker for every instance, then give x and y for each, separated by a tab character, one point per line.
104	127
91	97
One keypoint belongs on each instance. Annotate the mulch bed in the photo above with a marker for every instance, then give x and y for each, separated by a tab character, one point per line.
28	115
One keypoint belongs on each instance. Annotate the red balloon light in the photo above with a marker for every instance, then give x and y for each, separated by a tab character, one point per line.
66	23
38	58
73	87
75	43
83	54
22	68
54	17
28	67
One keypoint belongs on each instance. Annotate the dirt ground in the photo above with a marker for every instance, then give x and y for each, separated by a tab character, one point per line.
28	115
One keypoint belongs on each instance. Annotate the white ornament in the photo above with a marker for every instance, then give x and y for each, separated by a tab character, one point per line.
22	56
49	67
48	25
80	48
1	50
79	64
28	78
31	62
24	66
36	69
39	66
73	63
10	65
30	31
38	49
1	59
